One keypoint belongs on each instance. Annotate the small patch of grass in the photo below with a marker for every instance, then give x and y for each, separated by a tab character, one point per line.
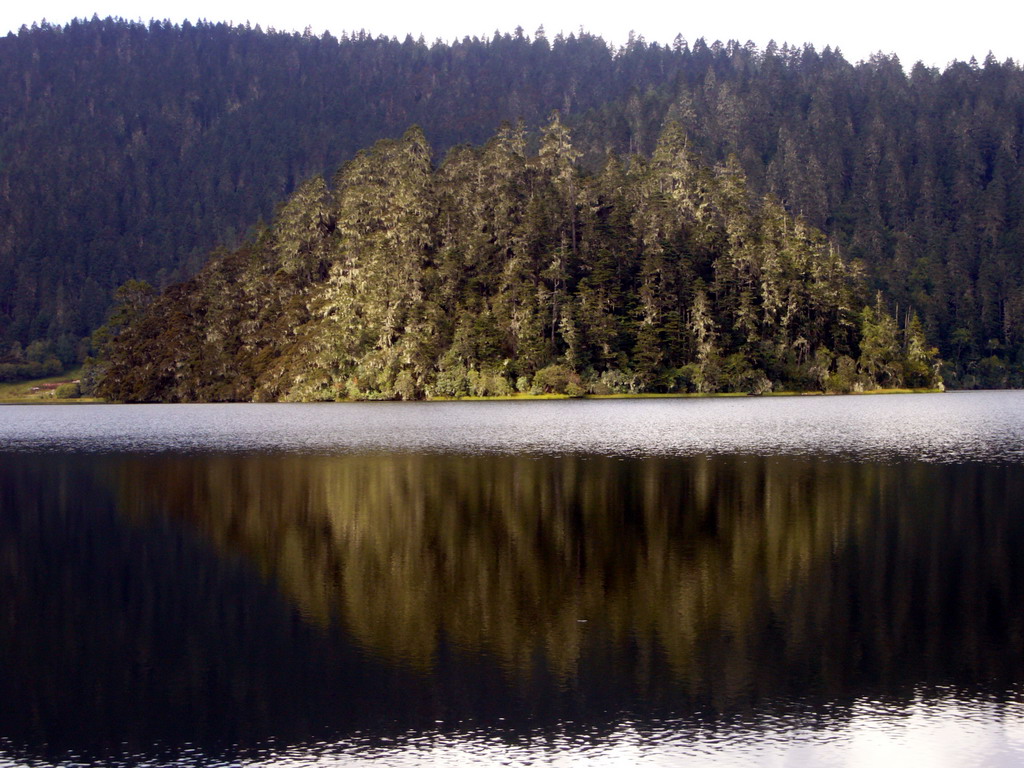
661	395
41	390
476	398
673	395
899	391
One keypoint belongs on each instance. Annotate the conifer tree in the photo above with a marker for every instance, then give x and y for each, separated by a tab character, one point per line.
501	272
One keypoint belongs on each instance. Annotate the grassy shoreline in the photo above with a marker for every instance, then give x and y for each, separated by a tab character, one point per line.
41	392
678	395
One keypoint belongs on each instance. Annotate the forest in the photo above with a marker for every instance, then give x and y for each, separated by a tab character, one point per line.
129	152
506	271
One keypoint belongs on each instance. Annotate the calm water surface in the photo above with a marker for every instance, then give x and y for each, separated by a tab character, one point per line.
802	581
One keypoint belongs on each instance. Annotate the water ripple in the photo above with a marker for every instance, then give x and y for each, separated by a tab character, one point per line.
975	426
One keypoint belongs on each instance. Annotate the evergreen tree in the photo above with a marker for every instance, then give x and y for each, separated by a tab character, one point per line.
501	272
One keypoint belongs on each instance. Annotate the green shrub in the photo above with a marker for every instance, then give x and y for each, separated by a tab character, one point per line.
451	382
613	382
69	390
488	383
556	380
405	385
498	385
845	379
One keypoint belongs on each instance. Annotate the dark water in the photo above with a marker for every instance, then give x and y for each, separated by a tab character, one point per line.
820	581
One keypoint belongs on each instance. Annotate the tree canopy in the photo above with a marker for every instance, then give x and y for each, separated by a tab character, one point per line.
128	151
505	270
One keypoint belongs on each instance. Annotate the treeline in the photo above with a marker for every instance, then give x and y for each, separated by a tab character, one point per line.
41	358
506	271
128	151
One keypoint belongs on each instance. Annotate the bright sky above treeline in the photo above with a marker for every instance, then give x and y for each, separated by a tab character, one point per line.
936	32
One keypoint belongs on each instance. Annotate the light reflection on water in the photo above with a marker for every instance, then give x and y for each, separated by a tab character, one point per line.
948	732
939	733
942	733
939	427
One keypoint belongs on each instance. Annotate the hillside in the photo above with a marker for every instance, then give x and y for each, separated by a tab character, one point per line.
129	151
504	271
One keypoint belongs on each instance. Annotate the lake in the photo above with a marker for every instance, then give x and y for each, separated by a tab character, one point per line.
812	581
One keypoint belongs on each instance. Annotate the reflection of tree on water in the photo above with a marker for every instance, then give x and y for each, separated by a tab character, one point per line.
748	576
712	589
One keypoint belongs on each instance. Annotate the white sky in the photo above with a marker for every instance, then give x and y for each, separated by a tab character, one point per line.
935	32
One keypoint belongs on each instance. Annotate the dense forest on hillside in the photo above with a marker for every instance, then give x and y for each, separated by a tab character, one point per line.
504	271
128	151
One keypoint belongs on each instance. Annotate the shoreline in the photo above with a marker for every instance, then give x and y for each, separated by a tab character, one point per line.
668	395
38	399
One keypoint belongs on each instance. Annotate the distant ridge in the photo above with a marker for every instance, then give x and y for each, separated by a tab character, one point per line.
128	151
